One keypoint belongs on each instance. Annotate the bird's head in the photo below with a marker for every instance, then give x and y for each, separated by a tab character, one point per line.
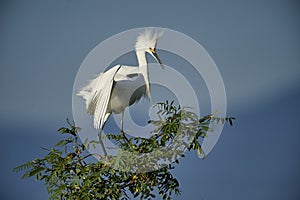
147	41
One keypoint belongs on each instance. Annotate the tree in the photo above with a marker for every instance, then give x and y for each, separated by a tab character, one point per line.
68	174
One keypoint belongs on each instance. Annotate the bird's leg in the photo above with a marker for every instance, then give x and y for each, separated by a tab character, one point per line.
122	130
122	117
101	142
121	123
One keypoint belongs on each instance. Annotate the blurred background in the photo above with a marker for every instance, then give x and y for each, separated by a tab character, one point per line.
254	43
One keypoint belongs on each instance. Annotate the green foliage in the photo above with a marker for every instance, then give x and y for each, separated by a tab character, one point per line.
68	175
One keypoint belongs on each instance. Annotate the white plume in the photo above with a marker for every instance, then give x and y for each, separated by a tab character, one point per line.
147	39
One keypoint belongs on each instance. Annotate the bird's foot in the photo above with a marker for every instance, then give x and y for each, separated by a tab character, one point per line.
124	136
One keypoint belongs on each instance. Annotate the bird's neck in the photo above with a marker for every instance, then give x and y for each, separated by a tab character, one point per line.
143	68
141	57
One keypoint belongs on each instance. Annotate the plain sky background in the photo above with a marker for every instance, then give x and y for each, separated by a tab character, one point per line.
254	43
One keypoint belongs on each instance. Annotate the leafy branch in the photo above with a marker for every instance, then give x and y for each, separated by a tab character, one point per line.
68	174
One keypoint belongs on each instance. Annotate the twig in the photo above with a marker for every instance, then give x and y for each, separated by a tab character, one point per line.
101	143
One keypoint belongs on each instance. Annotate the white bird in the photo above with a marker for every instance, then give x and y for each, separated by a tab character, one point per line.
121	86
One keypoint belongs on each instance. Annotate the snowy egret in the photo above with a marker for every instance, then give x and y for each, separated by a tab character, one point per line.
121	86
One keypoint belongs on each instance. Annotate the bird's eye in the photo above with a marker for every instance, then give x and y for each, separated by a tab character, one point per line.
152	50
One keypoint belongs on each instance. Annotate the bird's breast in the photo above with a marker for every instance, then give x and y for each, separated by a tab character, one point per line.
127	92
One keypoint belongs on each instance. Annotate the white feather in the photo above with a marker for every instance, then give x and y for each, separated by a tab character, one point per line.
97	94
147	39
120	86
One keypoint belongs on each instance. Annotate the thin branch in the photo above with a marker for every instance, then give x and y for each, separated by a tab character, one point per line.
101	142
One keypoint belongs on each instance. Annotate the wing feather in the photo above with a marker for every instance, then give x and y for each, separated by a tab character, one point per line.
97	94
126	73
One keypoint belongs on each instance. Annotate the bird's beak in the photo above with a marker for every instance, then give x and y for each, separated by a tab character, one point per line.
154	54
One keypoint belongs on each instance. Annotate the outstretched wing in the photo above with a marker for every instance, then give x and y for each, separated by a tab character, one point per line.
97	94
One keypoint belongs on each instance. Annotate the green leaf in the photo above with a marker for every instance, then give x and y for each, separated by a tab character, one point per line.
69	174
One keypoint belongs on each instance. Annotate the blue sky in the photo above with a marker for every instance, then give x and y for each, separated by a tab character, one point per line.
254	43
